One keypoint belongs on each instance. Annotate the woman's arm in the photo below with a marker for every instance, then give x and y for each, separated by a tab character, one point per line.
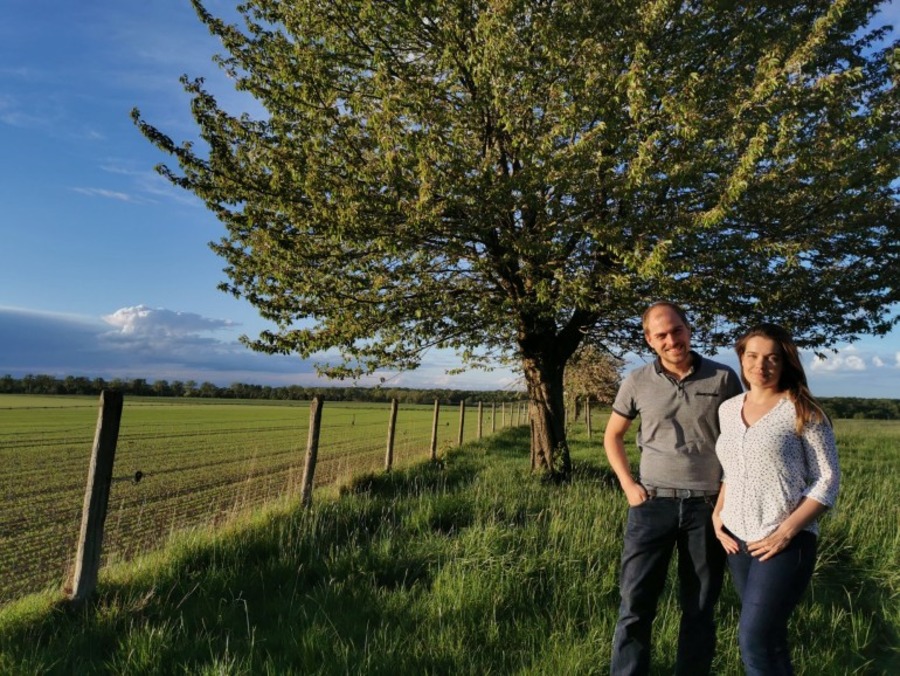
728	542
820	454
823	480
807	511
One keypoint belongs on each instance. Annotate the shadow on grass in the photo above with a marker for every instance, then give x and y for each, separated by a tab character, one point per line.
589	471
249	607
300	592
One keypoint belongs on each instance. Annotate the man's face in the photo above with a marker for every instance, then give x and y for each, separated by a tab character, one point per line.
669	338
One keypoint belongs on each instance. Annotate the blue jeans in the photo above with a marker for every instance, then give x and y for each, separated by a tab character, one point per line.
769	591
654	529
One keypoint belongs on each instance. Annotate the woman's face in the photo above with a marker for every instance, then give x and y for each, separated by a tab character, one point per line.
762	362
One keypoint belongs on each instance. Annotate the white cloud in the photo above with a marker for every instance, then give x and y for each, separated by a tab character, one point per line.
852	359
838	362
854	363
148	183
141	320
108	194
145	343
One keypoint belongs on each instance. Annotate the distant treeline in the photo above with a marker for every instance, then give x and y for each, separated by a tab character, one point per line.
44	384
855	407
836	407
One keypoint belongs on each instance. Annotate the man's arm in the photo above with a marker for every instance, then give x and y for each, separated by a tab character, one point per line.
614	443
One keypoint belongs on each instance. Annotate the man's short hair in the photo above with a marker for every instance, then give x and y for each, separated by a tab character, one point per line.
664	303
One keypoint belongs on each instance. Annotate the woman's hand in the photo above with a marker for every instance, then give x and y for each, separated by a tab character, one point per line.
804	514
728	543
769	546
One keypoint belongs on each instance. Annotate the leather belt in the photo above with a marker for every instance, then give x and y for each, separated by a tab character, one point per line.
678	492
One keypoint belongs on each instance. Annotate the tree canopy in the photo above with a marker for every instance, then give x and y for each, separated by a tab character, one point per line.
509	177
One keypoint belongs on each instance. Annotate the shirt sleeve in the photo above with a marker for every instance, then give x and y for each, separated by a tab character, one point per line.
625	404
820	451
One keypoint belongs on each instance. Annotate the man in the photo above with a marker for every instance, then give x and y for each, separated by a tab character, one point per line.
677	397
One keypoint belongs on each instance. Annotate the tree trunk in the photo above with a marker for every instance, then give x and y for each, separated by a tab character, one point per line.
547	414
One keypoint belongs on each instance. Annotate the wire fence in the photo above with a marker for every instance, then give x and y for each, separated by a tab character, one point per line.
186	464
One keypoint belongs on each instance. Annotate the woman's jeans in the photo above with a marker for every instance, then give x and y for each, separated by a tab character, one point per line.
769	591
654	529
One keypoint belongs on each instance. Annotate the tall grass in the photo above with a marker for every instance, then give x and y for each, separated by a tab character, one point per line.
471	566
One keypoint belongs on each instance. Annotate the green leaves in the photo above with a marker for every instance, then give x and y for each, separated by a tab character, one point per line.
500	175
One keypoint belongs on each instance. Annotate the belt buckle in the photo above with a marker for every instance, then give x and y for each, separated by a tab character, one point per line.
690	493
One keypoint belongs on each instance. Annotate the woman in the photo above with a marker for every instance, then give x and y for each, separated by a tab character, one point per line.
780	473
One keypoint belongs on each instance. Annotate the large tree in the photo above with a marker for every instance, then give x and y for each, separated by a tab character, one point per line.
508	177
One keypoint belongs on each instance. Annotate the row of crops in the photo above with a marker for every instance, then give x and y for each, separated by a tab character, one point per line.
198	463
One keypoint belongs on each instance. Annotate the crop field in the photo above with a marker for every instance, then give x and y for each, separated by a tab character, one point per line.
201	462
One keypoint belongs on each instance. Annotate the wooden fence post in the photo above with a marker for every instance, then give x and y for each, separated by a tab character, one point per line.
587	415
434	429
96	496
462	419
312	451
493	417
534	463
502	414
392	426
480	417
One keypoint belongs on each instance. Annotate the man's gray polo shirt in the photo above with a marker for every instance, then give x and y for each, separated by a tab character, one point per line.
679	421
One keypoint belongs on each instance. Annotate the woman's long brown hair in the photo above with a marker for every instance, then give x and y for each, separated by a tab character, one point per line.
793	377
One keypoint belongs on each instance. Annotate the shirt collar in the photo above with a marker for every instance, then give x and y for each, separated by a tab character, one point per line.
696	360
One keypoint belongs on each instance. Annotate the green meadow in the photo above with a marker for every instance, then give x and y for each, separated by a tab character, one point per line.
467	566
201	462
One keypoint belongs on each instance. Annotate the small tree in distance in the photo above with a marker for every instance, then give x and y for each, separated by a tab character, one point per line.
510	178
593	373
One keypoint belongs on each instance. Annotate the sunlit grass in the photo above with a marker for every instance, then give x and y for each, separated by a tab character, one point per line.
472	566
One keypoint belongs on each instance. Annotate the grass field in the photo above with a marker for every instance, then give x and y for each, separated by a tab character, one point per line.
471	566
202	461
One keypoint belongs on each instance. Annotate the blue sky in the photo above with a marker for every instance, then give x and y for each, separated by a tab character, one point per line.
105	266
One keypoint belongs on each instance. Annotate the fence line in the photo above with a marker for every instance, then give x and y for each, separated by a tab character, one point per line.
195	466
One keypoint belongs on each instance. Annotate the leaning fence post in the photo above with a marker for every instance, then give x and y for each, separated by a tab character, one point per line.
480	417
312	451
392	426
462	419
434	429
96	496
